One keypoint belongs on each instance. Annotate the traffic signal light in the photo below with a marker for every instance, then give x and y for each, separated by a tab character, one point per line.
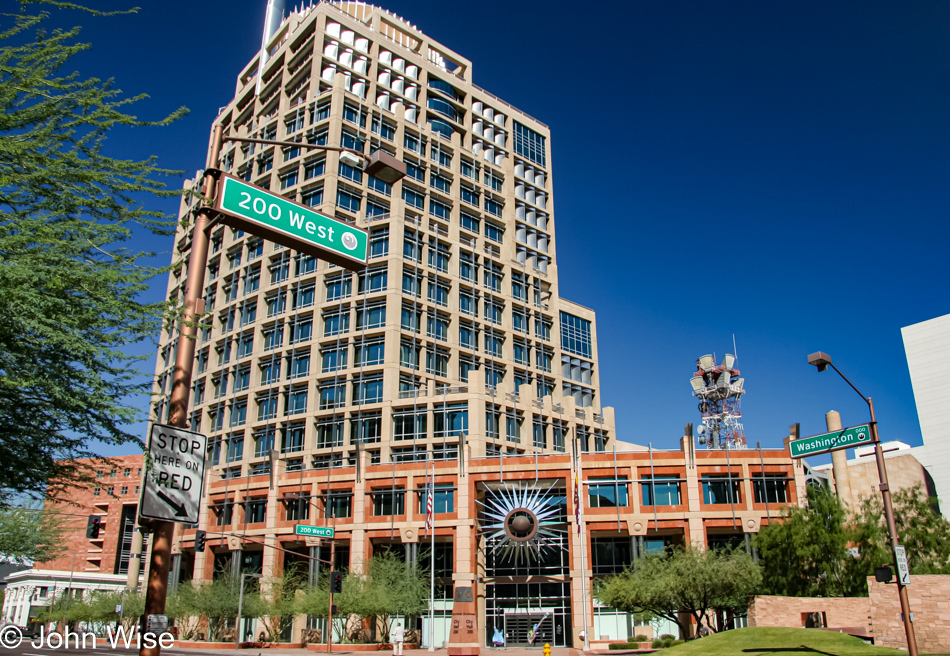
200	538
883	574
92	527
336	582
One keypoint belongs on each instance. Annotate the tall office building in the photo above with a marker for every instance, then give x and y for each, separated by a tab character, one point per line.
927	347
454	330
449	366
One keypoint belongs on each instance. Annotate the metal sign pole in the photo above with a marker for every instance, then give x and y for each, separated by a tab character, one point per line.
892	532
156	585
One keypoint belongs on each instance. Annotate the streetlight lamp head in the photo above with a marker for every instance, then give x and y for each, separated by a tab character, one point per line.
385	167
820	360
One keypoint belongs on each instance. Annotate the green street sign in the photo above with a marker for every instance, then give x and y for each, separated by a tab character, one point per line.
313	531
291	224
843	439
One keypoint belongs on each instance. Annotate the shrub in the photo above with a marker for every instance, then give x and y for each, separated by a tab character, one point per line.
639	638
620	645
657	644
677	642
667	636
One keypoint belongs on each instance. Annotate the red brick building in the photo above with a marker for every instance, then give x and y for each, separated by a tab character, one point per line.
86	564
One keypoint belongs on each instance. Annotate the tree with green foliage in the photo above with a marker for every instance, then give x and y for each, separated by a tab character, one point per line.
30	535
398	588
684	580
274	601
805	553
70	293
923	531
217	601
388	587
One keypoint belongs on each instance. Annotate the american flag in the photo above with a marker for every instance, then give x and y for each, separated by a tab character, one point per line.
430	492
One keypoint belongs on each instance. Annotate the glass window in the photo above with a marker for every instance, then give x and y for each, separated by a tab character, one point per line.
494	231
412	283
270	372
371	316
576	335
368	390
239	413
263	443
467	336
369	352
350	173
347	200
235	450
292	438
314	168
440	210
438	327
333	359
297	401
329	433
770	488
408	425
443	499
297	508
338	287
372	280
337	504
660	490
388	503
301	330
379	242
336	323
299	365
529	144
332	395
367	428
717	490
607	495
413	198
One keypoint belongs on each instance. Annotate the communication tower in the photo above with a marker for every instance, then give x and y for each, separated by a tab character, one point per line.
719	390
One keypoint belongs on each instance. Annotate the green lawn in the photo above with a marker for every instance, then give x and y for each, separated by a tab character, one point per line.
767	641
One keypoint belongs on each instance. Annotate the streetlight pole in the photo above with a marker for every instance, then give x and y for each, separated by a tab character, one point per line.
823	361
380	165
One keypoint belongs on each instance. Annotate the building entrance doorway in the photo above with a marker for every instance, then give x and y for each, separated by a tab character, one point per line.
514	608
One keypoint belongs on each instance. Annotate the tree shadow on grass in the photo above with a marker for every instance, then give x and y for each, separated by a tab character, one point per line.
802	649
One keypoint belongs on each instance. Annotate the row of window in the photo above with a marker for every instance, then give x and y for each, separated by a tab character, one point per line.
666	490
390	502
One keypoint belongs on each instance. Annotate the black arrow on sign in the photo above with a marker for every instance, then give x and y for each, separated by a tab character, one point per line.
179	508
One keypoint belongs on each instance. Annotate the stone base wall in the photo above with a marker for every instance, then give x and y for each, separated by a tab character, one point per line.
839	612
930	604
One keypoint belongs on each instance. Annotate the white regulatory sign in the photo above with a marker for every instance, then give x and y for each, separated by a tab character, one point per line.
171	491
903	571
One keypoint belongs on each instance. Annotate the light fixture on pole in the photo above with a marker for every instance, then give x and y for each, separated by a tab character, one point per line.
822	361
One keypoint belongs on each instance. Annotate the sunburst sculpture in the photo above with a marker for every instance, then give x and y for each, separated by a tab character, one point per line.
521	522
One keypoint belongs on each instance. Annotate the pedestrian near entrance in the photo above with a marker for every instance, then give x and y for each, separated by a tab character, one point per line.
399	636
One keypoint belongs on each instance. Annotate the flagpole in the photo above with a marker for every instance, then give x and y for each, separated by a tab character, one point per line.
429	500
583	540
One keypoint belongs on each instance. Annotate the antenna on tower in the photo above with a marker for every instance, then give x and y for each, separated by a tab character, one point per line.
719	390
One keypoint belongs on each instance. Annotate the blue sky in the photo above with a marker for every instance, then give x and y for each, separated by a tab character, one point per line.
774	171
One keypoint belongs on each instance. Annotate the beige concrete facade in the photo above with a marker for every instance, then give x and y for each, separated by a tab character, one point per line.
903	471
